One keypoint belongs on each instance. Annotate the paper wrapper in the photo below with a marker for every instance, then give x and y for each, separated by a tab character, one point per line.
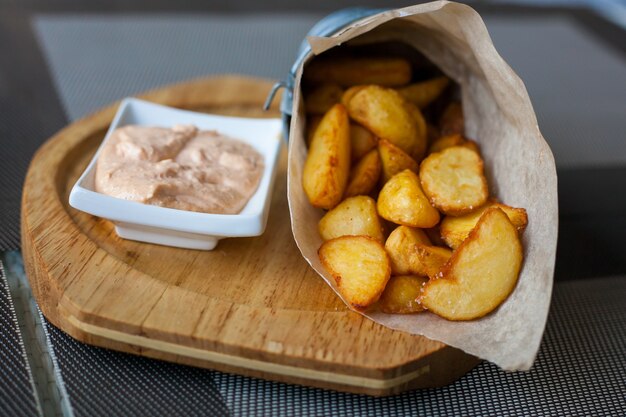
518	163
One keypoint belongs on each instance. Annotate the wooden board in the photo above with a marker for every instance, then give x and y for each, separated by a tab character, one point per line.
252	306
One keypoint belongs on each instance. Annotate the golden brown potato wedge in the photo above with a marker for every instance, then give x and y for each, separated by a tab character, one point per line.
428	260
454	230
320	99
361	141
425	92
421	146
327	165
360	267
449	141
401	295
349	93
481	273
353	216
389	72
386	114
394	160
364	176
452	121
454	181
399	246
402	201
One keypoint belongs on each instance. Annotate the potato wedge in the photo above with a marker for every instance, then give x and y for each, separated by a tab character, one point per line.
394	160
425	92
428	260
389	72
449	141
386	114
401	295
361	141
402	201
399	246
349	93
360	267
364	176
320	99
481	273
454	230
452	121
354	216
421	146
454	181
327	166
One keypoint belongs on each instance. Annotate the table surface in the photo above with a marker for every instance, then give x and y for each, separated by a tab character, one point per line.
68	60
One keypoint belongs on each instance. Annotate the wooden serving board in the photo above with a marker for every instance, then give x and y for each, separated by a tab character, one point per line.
252	306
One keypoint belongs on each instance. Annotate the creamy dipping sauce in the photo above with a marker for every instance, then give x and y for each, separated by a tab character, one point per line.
182	168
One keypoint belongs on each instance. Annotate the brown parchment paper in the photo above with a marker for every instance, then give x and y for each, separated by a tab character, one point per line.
518	163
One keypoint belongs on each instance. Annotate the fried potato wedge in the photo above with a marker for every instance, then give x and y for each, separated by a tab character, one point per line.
355	216
320	99
481	273
394	160
454	181
402	201
454	230
388	72
364	176
399	246
349	93
425	92
451	120
456	139
361	141
386	114
360	267
422	144
401	295
327	166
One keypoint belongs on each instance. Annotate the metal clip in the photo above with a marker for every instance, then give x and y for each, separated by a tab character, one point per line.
272	94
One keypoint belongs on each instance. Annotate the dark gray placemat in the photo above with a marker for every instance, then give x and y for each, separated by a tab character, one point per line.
17	392
580	371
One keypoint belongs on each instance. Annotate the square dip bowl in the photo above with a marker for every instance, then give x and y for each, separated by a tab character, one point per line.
181	228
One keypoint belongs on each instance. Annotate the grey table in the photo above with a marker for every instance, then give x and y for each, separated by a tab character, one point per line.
70	59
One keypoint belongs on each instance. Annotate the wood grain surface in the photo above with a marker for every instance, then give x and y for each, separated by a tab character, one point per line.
252	306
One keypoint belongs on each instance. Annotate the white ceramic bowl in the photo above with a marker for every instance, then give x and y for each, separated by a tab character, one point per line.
180	228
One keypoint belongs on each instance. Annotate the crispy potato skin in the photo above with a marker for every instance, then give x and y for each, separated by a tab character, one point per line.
455	139
399	246
364	176
347	72
452	120
385	113
481	273
322	98
455	229
394	160
425	92
353	216
402	201
327	165
454	181
312	122
349	93
360	267
401	295
362	141
421	144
